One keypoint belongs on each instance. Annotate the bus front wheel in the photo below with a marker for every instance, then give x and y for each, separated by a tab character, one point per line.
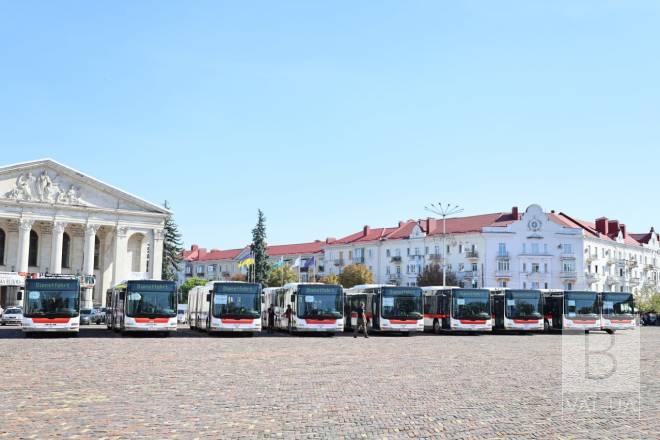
436	327
546	326
609	331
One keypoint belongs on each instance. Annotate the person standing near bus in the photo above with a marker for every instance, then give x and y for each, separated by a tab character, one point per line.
361	321
271	319
289	316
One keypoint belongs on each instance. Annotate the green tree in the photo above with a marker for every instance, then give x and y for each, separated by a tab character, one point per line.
330	279
279	276
258	248
189	284
648	299
355	274
432	276
172	248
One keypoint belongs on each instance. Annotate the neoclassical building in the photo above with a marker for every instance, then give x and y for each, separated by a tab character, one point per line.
56	220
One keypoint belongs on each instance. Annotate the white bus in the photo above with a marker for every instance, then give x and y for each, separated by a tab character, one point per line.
457	309
315	307
617	311
387	308
520	310
571	310
51	305
142	306
225	306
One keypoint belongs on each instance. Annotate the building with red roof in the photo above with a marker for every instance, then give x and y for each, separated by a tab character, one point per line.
530	249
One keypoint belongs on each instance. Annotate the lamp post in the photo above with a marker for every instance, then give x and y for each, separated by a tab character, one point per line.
444	211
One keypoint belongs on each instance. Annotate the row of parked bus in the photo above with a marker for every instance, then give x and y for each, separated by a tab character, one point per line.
243	307
53	305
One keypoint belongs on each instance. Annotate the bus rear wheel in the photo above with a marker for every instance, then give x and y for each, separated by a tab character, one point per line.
609	331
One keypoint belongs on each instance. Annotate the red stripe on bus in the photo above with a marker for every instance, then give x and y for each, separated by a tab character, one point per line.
622	321
154	320
50	320
433	316
468	321
321	321
402	321
581	321
526	321
237	321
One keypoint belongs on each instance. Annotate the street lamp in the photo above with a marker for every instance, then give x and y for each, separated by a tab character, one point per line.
444	211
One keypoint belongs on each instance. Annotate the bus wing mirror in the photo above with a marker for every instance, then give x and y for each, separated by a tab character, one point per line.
19	295
263	299
208	297
293	298
121	296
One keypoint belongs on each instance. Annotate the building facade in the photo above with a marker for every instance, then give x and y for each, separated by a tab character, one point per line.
56	220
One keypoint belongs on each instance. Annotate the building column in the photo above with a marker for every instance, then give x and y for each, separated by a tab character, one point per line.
118	264
156	254
88	264
56	247
25	226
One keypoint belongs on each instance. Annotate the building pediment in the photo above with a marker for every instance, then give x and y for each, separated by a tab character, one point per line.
46	182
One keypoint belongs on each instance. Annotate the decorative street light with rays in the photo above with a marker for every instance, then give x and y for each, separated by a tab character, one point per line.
444	211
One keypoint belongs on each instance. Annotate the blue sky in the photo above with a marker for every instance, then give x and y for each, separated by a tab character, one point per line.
333	115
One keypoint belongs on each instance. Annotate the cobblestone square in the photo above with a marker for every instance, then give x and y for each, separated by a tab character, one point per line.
101	385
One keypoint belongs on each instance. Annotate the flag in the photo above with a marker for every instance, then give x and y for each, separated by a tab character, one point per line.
310	262
296	263
279	263
246	261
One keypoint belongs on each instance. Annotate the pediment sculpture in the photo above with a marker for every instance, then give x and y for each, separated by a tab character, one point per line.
45	189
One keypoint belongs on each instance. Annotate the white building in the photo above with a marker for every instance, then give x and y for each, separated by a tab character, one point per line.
54	219
534	249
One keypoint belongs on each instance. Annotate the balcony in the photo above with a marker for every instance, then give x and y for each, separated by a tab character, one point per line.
503	274
592	277
568	275
472	255
396	260
590	258
611	279
416	257
436	258
358	260
635	281
470	274
502	255
567	256
339	262
394	276
632	263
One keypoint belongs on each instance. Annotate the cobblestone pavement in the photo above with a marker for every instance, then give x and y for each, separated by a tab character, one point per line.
191	386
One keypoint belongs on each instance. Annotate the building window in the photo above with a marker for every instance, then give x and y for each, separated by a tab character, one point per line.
501	250
408	251
387	253
33	256
461	267
448	250
524	285
397	252
524	248
200	270
545	248
545	267
188	270
387	270
546	285
567	248
426	250
66	250
97	253
503	266
525	267
2	247
568	266
535	248
536	268
569	286
460	248
474	267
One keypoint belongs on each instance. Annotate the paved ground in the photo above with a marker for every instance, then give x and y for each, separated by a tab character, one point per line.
192	386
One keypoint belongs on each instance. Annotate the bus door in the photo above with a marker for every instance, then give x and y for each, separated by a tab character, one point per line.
375	311
498	310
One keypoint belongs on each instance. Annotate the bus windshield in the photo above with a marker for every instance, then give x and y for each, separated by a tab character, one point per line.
523	304
581	304
618	304
237	301
52	303
470	304
151	301
320	302
402	303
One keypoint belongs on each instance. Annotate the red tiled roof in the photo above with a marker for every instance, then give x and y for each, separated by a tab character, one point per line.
302	248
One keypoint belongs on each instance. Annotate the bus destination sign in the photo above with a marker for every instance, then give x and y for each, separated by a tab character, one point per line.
236	288
51	284
140	286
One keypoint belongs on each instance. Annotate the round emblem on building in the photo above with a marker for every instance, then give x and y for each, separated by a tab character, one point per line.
534	225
